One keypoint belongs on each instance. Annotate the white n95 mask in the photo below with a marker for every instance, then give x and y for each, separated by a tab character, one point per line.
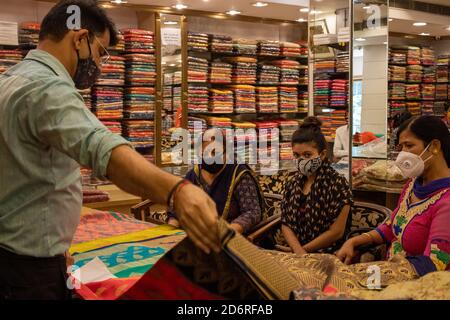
411	165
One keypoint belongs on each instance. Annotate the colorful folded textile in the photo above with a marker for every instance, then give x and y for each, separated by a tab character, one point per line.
289	71
398	55
267	99
268	48
221	101
9	58
113	72
414	108
29	35
219	122
397	73
413	55
197	70
396	107
92	196
113	126
140	69
244	69
268	74
86	95
195	122
138	41
198	41
429	74
342	61
412	91
287	129
441	91
139	132
244	98
198	99
397	91
427	57
303	101
243	46
414	73
339	92
220	72
107	102
428	91
442	69
120	46
322	91
290	49
139	103
288	99
325	66
220	43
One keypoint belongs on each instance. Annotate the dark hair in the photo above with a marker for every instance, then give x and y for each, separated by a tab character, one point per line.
427	129
399	118
310	132
93	18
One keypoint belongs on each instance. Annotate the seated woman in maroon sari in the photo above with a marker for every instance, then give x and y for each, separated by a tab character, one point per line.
233	187
419	228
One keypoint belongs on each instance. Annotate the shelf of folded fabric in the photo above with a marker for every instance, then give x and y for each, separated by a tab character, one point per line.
343	46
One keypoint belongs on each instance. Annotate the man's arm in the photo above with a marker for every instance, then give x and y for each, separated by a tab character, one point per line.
196	212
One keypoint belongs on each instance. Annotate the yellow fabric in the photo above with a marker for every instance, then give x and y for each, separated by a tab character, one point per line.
154	232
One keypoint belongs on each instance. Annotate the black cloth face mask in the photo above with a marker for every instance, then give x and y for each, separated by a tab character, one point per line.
87	71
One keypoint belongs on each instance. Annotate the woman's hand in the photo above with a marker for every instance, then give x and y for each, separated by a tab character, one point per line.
347	252
173	222
300	251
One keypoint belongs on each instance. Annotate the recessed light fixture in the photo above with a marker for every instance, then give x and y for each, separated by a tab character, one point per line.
172	65
118	1
180	6
315	12
366	7
419	24
424	34
260	4
390	19
233	12
301	20
170	22
385	42
304	10
360	39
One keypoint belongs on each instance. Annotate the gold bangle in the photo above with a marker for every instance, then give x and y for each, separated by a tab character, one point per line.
370	237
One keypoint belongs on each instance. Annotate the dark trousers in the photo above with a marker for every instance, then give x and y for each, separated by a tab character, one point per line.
29	278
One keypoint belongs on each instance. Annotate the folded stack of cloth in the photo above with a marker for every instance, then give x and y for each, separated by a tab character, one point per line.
94	196
220	72
268	74
396	107
244	46
429	74
442	72
342	61
286	151
441	91
268	48
139	133
113	72
287	129
427	108
289	71
167	94
177	77
197	123
290	49
412	91
397	73
267	99
304	49
265	136
197	99
414	73
167	104
304	76
138	41
166	124
86	175
220	43
303	101
288	99
413	55
219	122
244	98
86	94
140	69
326	128
244	69
397	55
321	39
9	58
139	103
176	98
427	57
322	91
339	90
439	108
107	102
428	91
344	34
113	126
29	36
198	41
244	139
337	120
120	46
197	70
325	66
9	35
397	91
221	101
414	108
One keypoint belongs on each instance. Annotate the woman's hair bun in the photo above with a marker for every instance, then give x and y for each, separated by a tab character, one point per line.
311	123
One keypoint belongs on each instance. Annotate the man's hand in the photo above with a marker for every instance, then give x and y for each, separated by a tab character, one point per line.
347	252
197	215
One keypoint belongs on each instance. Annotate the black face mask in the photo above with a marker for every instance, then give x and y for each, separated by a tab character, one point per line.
212	168
87	71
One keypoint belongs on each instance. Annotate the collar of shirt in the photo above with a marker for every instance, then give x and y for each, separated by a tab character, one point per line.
51	62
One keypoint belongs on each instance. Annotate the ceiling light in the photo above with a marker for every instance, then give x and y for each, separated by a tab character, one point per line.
172	65
366	7
233	12
180	6
118	1
170	22
390	19
419	24
424	34
260	4
315	12
360	39
304	10
301	20
385	42
448	28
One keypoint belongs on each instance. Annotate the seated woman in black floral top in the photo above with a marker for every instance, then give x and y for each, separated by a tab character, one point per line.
317	201
233	187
